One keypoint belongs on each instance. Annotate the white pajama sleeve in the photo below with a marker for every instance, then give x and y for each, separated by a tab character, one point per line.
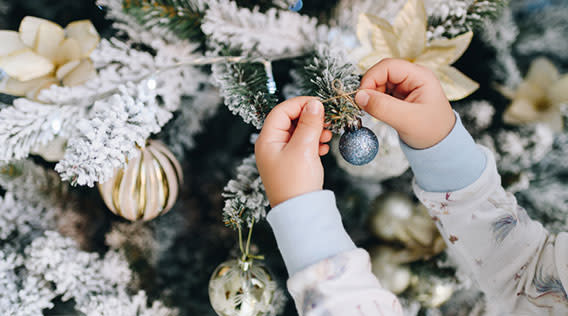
329	276
342	285
521	268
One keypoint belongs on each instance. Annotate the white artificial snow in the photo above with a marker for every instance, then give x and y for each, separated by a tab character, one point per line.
272	33
501	34
246	192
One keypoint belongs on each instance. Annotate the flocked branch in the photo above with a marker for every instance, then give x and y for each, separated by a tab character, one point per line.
326	74
245	199
270	33
455	17
181	17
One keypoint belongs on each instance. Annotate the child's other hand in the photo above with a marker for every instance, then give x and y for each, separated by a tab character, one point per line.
289	147
409	98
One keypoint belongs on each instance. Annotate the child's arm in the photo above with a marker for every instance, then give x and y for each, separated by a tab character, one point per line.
328	274
517	264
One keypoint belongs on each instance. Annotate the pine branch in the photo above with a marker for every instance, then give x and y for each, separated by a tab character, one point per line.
182	17
34	184
99	286
482	10
27	125
107	139
502	34
317	76
544	32
108	115
245	199
245	89
452	18
274	32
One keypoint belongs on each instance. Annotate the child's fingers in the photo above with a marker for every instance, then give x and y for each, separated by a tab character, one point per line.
278	123
326	136
398	75
385	107
323	149
310	125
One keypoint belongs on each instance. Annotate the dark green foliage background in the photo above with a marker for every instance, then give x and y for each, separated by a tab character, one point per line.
181	277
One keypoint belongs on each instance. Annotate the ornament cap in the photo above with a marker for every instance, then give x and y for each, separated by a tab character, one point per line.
354	125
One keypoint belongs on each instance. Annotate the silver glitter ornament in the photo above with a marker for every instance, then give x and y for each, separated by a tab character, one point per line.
241	288
358	145
390	161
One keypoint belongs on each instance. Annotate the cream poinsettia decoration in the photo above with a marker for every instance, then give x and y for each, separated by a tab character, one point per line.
406	39
42	54
539	97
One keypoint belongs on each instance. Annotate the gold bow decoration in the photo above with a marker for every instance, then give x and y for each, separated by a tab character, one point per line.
407	39
42	54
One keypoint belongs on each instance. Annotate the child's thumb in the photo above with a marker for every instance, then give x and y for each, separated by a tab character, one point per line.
383	106
310	125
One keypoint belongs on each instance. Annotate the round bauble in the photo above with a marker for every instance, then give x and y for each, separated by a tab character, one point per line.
147	187
433	291
387	267
390	161
391	212
296	6
358	145
241	288
397	219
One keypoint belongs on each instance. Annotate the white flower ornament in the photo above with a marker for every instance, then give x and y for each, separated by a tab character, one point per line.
539	97
42	54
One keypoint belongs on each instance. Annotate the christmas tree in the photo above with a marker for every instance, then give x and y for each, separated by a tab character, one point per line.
128	181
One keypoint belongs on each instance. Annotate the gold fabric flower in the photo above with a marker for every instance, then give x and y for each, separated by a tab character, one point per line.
42	54
406	39
539	97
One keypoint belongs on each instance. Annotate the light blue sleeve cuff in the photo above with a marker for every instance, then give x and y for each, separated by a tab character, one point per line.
308	229
452	164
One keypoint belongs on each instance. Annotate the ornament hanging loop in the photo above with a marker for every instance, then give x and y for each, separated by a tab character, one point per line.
354	125
337	85
246	258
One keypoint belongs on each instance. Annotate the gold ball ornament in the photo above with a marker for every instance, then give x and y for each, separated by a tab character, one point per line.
392	211
147	187
398	219
387	266
432	291
241	288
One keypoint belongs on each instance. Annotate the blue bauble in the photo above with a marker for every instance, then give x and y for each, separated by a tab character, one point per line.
359	146
297	6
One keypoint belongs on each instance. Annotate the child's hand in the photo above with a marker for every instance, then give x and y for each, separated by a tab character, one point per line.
289	147
409	98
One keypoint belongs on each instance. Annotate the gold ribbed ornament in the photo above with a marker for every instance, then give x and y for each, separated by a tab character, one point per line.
147	187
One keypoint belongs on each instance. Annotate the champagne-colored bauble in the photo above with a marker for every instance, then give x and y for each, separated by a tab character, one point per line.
397	219
241	288
389	162
147	187
432	291
387	267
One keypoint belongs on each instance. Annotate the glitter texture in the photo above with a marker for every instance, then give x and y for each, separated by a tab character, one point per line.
359	147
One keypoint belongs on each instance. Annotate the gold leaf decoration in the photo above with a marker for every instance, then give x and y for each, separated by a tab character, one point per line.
406	39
